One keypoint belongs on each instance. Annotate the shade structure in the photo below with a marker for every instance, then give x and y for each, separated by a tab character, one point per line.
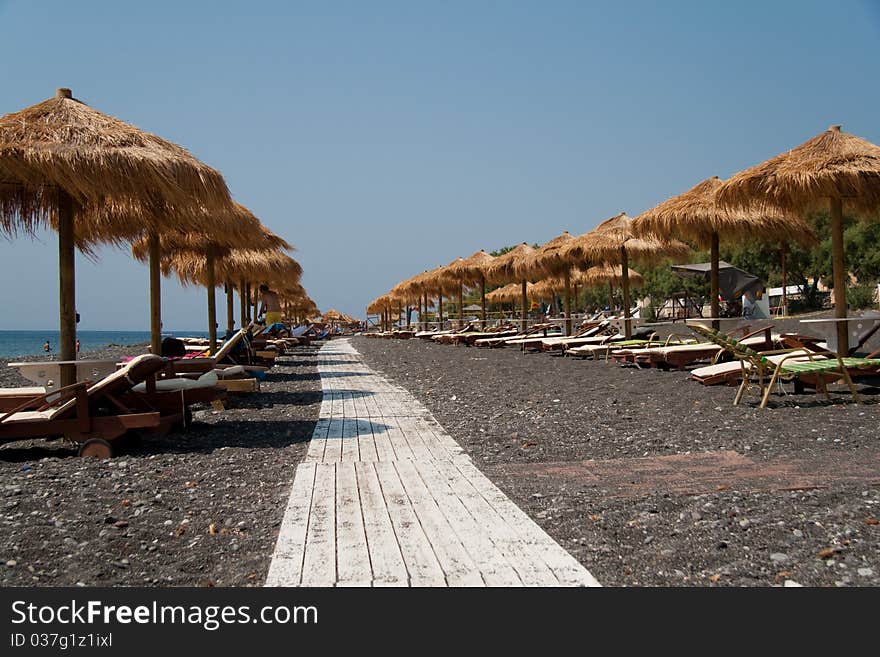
831	169
332	315
422	286
190	247
697	216
472	271
549	260
614	242
63	163
507	268
509	293
613	274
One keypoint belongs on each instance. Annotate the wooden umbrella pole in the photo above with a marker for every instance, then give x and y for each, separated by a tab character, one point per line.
230	309
839	264
211	282
155	296
440	312
567	302
483	300
714	284
242	302
784	283
67	286
610	297
624	266
256	288
524	319
461	305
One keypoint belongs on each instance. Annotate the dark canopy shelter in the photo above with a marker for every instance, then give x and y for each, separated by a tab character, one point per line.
732	282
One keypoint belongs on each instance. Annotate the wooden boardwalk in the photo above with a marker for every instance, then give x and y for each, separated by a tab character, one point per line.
385	497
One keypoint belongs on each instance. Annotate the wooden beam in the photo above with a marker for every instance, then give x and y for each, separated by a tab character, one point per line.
211	282
67	286
567	277
714	284
155	296
624	265
524	318
838	262
230	308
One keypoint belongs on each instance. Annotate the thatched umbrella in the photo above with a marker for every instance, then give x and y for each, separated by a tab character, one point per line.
256	237
63	163
470	271
332	315
697	217
507	268
427	284
510	293
551	260
611	275
824	172
613	242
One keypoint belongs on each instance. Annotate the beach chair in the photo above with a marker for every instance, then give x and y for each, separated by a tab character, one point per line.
91	415
819	367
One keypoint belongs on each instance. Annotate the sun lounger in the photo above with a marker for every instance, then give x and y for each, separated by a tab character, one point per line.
90	415
538	331
819	368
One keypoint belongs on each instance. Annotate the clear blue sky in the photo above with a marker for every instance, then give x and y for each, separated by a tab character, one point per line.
384	138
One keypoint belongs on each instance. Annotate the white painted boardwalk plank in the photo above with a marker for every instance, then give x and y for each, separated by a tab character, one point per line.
352	555
387	563
287	561
386	497
418	555
319	563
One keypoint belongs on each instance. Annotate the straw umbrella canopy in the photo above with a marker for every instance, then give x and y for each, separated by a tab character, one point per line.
826	171
696	216
551	260
611	275
510	293
613	241
470	271
427	284
63	162
332	315
508	268
251	234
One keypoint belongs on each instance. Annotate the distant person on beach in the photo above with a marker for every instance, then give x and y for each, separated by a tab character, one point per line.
271	306
47	347
77	347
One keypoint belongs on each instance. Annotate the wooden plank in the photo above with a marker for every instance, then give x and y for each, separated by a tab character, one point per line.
473	536
353	557
349	439
239	385
421	562
565	567
287	559
381	440
388	567
458	565
318	443
319	562
366	441
333	450
530	569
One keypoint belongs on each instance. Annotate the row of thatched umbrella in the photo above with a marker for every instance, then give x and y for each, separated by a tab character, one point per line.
766	203
96	179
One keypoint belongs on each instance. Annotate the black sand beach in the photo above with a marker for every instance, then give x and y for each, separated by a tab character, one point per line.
198	508
650	479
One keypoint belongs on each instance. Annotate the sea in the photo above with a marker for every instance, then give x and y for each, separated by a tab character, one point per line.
27	343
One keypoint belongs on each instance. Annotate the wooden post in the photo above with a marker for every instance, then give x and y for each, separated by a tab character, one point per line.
624	265
483	300
242	303
211	283
610	297
256	288
784	283
67	286
460	305
230	309
524	317
155	296
440	312
716	305
839	264
567	301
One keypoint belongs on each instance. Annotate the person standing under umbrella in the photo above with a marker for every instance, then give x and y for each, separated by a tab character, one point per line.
271	306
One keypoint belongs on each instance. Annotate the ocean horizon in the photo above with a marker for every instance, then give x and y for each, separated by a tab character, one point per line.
30	342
